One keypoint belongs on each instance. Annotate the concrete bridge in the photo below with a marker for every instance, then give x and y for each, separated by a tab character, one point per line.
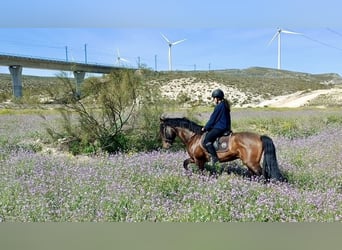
17	63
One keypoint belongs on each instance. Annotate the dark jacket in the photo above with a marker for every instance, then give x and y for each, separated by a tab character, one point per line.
219	119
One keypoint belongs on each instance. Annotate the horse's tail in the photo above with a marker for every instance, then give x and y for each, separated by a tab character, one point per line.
270	168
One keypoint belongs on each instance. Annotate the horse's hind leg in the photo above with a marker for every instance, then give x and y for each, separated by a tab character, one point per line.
254	168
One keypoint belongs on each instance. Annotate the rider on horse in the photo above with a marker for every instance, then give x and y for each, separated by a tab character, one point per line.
218	124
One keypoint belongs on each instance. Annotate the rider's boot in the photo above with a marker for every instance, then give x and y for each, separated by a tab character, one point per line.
212	152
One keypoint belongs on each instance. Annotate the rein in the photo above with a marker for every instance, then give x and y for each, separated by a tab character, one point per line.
183	123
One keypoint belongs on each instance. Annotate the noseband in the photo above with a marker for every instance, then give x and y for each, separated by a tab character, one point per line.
167	140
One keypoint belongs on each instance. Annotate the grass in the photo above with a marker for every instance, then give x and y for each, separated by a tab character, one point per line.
289	123
40	186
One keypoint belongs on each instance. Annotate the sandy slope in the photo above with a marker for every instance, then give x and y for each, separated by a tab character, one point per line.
300	98
200	91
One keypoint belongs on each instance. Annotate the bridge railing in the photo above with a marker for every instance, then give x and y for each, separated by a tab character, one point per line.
28	57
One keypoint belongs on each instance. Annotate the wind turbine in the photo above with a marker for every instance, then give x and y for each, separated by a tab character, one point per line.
119	59
278	34
170	45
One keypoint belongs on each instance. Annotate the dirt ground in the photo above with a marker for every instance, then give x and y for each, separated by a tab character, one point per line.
301	98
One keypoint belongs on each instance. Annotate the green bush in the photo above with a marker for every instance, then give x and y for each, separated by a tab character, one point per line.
94	121
115	113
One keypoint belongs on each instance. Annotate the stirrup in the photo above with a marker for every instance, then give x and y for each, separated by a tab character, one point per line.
214	161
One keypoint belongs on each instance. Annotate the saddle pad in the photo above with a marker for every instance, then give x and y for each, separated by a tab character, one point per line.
221	143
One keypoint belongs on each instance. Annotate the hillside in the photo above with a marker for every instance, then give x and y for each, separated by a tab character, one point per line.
35	84
249	87
244	88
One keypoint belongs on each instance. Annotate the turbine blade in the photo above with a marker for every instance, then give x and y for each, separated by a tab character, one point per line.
291	32
123	59
165	38
177	42
275	35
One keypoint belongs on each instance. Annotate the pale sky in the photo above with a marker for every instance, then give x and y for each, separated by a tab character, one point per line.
219	34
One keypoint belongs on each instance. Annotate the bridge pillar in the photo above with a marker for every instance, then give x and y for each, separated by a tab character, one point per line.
16	73
79	76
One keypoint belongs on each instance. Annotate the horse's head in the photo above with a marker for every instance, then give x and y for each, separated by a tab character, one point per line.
167	133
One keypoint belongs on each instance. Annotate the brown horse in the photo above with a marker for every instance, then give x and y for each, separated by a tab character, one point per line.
247	146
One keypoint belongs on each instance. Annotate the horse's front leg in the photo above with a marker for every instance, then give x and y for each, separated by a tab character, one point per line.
200	165
187	162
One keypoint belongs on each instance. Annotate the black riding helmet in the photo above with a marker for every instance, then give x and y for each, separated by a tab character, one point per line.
218	93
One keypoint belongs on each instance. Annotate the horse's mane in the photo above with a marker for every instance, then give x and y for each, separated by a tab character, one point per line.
184	122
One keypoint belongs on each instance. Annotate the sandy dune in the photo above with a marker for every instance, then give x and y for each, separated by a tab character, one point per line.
195	90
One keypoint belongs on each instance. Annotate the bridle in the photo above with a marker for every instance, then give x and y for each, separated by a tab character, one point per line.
165	138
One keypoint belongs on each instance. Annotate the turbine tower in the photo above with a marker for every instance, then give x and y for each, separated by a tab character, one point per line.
119	59
170	46
278	34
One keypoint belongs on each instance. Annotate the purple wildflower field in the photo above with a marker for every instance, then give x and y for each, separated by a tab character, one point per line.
47	186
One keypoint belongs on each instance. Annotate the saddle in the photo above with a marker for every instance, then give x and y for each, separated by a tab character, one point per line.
222	142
